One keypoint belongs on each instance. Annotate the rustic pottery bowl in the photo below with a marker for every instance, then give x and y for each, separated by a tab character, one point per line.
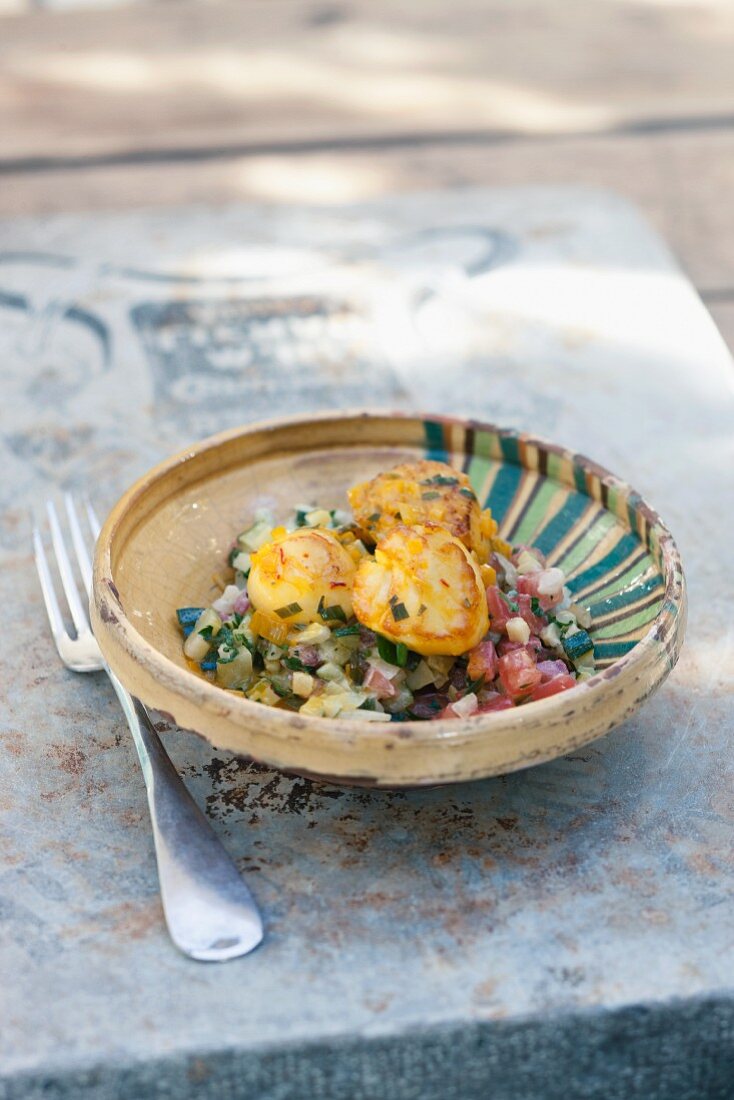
172	530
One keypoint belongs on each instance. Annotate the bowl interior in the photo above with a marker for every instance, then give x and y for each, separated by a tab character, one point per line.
584	521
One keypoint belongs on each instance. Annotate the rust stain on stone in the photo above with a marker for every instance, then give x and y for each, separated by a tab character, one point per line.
69	758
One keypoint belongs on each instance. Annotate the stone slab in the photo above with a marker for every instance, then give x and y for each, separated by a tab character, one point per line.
567	930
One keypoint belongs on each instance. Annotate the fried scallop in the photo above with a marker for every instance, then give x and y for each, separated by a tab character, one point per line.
423	588
301	574
422	492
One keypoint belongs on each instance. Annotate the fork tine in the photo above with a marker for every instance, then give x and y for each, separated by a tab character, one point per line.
55	618
78	614
82	554
92	517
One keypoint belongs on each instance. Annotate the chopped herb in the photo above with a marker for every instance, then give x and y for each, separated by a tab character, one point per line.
301	514
369	704
430	496
399	610
295	664
422	609
373	518
346	631
468	493
401	654
329	614
414	659
387	650
206	631
288	610
512	606
535	606
440	479
474	685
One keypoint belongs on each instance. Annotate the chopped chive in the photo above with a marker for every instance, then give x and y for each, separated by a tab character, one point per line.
468	493
535	606
440	479
399	610
401	654
474	685
346	631
295	664
301	514
512	606
206	632
329	614
288	610
387	650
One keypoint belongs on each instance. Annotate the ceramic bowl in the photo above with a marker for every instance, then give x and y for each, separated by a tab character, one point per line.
170	533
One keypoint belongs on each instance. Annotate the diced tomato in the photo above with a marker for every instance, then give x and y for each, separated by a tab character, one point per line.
499	612
461	708
533	646
550	669
375	681
495	701
518	673
483	662
534	621
552	687
531	584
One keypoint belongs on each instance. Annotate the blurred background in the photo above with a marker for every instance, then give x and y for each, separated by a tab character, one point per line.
111	104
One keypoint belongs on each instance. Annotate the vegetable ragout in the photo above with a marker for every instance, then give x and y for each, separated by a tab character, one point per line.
412	607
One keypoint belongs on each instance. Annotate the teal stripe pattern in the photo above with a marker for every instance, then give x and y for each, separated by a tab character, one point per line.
591	526
435	448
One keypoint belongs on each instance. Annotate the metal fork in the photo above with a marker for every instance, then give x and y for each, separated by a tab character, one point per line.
210	913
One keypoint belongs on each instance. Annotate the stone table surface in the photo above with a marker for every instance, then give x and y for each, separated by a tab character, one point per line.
563	931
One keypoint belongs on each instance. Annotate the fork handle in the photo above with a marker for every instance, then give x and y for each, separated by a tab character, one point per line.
209	910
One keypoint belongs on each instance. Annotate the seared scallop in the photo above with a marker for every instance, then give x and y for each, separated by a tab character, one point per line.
422	492
423	588
301	575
